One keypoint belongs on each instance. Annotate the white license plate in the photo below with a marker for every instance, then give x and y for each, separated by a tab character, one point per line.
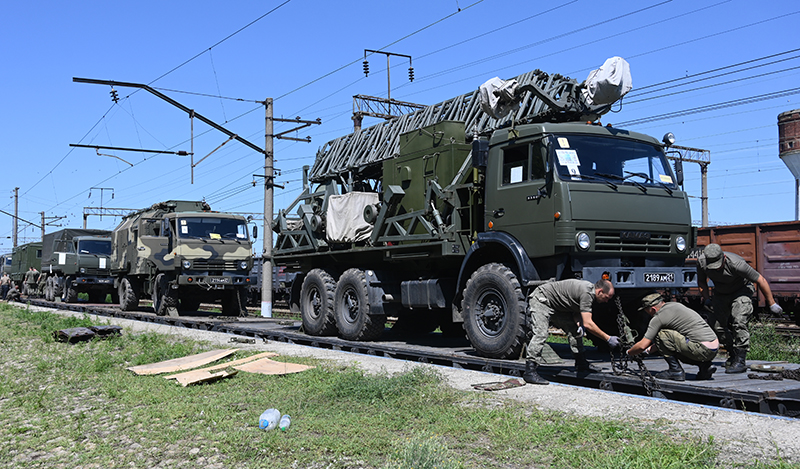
219	280
659	277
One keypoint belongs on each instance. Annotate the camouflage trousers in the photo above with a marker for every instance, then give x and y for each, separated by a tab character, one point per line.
542	316
731	314
674	344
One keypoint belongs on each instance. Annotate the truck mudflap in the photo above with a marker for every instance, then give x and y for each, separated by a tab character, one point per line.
644	277
219	282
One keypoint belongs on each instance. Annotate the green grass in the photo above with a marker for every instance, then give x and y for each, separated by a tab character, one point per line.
76	405
766	344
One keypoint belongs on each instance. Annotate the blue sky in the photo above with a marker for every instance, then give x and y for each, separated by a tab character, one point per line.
219	59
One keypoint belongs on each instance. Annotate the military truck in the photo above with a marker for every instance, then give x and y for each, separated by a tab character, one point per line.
179	254
450	216
78	261
281	283
22	259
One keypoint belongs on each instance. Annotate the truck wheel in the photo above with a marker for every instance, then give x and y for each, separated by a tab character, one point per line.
128	296
351	308
494	312
164	299
233	302
316	303
70	293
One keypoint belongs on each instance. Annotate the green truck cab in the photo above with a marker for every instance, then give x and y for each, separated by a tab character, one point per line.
181	254
78	261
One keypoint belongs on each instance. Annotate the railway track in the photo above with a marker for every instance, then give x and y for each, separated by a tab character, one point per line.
729	391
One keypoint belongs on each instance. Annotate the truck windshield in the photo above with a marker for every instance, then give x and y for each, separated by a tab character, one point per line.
212	228
94	246
603	160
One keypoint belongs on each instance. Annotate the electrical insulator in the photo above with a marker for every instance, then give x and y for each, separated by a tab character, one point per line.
366	68
410	73
114	96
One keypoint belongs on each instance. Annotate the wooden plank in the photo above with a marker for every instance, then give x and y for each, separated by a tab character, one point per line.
265	366
180	364
226	365
203	376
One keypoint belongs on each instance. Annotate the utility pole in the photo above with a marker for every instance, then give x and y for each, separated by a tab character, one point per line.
703	158
16	214
46	223
269	185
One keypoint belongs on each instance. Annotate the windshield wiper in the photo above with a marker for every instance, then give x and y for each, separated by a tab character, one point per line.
194	237
647	178
595	178
637	183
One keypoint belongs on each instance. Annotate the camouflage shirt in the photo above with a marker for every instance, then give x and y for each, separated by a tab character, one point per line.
571	295
734	275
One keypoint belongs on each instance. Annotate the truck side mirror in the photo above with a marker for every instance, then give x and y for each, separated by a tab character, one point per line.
255	231
679	172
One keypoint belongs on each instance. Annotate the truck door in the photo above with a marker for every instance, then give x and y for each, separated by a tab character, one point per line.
153	246
518	196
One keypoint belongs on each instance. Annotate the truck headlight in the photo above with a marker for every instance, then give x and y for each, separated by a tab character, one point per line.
243	265
83	271
583	241
187	264
680	243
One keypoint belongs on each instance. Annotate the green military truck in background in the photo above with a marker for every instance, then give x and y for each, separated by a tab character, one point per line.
181	254
78	261
450	216
22	259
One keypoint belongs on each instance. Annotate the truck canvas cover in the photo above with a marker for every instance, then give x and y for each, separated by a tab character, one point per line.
51	240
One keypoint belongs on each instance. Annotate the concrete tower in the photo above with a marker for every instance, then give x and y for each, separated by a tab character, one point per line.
789	150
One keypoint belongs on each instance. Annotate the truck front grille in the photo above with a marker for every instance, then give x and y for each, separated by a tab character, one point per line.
214	264
611	241
98	272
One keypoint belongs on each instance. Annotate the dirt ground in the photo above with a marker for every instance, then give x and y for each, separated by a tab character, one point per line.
743	437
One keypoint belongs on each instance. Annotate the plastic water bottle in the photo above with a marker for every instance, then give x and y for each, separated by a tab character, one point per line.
269	419
285	422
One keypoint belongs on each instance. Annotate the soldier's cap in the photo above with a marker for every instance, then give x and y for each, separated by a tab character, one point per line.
651	299
714	256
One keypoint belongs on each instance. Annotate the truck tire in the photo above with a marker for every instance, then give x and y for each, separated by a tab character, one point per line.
233	302
351	308
163	297
70	294
128	295
494	311
316	303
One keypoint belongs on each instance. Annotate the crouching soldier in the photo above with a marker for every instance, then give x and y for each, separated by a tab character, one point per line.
681	335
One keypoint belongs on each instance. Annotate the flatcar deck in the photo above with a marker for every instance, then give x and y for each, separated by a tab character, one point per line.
735	391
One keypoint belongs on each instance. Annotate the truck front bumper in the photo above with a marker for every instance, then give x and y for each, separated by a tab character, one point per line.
218	282
644	277
93	281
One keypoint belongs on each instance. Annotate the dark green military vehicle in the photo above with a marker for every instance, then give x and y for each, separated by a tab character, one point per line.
450	217
22	259
181	254
78	261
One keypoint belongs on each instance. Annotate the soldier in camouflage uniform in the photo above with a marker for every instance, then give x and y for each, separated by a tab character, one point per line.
566	304
13	293
5	284
680	334
30	281
733	305
41	283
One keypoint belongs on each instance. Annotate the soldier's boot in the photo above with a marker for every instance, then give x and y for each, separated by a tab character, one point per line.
581	364
706	370
731	353
739	365
531	376
675	371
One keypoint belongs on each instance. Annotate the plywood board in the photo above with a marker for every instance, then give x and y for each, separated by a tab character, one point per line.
226	365
180	364
265	366
203	376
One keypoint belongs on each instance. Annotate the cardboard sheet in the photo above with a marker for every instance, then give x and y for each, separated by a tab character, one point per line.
265	366
180	364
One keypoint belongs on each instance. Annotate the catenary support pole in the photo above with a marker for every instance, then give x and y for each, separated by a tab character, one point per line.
266	265
16	214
